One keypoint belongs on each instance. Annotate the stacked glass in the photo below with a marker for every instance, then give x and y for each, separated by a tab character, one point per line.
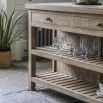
83	45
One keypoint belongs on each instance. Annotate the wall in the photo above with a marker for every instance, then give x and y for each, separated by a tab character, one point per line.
3	4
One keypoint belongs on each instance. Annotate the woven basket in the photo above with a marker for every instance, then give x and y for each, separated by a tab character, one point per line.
5	59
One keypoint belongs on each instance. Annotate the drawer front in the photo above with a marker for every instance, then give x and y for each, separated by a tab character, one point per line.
78	21
64	20
89	23
60	19
42	17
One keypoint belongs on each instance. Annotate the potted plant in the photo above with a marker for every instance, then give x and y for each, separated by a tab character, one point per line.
8	35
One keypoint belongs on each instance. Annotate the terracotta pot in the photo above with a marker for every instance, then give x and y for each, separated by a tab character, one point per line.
5	59
82	1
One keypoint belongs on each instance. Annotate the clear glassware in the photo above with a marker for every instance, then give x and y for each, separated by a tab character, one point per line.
97	46
84	45
69	41
73	45
57	43
72	50
65	43
70	46
59	47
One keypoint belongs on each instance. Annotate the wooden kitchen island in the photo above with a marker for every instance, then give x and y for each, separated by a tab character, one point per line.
71	75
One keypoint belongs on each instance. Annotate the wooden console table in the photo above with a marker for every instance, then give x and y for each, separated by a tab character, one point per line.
66	17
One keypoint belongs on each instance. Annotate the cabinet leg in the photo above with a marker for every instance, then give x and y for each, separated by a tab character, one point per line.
54	62
54	66
33	86
32	71
32	58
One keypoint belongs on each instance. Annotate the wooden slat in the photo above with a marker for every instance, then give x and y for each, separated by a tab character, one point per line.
89	91
50	76
83	87
71	83
64	80
47	74
92	93
66	83
86	87
75	84
55	78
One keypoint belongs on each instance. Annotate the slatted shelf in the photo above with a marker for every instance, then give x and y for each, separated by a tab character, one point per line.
50	52
71	86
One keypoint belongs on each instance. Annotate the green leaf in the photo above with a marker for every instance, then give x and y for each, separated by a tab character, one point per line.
8	35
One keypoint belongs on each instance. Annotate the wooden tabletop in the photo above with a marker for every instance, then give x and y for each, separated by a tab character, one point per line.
66	7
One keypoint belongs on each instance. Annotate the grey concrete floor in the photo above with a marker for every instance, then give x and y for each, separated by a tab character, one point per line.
15	79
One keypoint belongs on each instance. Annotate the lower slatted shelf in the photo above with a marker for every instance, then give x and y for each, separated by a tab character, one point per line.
70	86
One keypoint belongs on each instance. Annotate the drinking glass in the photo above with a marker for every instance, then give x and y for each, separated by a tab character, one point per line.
96	46
57	43
73	44
72	50
65	43
84	45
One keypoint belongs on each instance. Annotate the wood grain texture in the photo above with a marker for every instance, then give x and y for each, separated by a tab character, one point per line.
66	7
69	22
32	58
98	67
71	86
71	75
74	71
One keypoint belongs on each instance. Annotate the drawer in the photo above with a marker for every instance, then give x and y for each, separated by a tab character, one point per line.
64	20
60	19
88	23
42	17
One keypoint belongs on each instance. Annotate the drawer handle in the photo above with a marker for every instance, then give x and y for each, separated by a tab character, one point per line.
49	19
100	25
